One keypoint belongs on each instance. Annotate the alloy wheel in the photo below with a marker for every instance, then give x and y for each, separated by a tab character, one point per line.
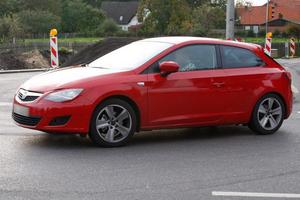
113	123
269	113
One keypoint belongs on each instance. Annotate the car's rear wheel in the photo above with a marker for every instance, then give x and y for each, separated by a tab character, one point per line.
268	115
113	123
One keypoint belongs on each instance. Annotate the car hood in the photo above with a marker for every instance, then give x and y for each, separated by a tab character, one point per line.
58	79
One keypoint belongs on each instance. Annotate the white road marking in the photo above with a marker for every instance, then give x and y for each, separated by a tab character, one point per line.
298	112
5	104
254	194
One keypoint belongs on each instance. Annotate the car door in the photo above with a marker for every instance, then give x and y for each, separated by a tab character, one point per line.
189	96
245	74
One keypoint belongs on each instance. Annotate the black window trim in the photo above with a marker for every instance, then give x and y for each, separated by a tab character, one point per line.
218	58
222	57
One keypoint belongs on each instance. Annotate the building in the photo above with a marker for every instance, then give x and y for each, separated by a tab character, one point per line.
123	13
281	14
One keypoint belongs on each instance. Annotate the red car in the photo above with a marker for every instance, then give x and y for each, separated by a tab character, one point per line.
167	82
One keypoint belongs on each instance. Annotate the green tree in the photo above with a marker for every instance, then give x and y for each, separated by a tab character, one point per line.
207	17
244	3
52	6
4	7
196	3
169	17
94	3
80	17
9	27
8	7
38	21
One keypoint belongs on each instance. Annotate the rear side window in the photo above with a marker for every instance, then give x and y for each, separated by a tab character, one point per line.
234	57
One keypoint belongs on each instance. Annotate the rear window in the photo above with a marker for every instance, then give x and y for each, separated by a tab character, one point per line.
235	57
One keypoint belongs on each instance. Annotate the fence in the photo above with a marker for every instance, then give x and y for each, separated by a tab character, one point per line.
75	47
24	47
281	48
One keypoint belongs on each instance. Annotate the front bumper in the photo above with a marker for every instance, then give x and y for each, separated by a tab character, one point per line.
47	116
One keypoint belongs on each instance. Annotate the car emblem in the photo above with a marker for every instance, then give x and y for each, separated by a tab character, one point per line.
23	94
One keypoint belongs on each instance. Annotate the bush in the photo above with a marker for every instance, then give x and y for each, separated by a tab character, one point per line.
241	33
262	33
284	34
108	28
250	33
294	31
277	33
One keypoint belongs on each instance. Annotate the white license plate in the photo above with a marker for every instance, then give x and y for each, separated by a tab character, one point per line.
21	110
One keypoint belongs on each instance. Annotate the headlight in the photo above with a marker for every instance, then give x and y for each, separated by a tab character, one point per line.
63	95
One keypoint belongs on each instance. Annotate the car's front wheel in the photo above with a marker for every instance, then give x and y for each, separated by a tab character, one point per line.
113	123
268	115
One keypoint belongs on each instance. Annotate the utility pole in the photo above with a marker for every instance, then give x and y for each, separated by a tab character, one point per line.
230	19
267	16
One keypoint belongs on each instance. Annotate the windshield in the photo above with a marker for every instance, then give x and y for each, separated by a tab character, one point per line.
130	56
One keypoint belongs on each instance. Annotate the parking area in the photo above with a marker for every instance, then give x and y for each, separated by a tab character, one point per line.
194	163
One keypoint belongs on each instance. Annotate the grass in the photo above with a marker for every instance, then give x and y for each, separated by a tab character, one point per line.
95	39
262	40
71	40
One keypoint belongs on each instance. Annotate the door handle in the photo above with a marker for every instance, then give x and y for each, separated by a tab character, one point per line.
219	84
141	84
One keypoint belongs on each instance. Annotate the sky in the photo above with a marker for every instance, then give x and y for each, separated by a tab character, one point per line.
258	2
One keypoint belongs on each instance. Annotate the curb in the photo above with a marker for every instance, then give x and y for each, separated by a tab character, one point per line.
24	70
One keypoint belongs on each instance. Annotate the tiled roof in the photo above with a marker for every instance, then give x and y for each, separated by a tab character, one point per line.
256	15
121	12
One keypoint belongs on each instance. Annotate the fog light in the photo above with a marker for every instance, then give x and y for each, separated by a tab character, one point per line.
59	121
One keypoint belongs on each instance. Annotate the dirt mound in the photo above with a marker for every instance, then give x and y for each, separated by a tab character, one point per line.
28	60
8	61
63	55
41	59
34	59
97	50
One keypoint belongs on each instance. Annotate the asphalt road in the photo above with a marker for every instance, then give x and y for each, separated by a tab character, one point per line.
166	164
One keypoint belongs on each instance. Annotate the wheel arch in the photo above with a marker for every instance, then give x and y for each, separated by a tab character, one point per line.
131	102
275	93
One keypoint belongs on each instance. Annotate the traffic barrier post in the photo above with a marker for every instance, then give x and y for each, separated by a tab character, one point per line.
268	44
54	49
292	47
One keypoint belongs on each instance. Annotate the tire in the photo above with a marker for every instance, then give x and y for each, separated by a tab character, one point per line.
268	115
113	123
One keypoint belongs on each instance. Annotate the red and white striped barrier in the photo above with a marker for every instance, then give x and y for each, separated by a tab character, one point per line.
268	46
54	52
292	47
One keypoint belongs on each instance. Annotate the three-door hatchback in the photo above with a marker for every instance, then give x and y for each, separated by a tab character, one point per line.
156	83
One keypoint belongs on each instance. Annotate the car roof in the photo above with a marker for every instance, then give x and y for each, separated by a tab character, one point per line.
190	40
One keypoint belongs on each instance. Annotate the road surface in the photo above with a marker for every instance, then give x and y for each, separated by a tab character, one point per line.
192	163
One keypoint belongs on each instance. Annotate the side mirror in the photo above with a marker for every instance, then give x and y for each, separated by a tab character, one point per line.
168	67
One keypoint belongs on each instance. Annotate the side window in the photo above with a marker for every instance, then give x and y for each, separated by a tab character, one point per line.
193	57
234	57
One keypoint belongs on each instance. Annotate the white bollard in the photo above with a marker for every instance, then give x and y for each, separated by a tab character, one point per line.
54	49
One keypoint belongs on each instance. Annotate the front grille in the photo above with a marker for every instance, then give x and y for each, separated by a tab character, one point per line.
28	121
28	96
